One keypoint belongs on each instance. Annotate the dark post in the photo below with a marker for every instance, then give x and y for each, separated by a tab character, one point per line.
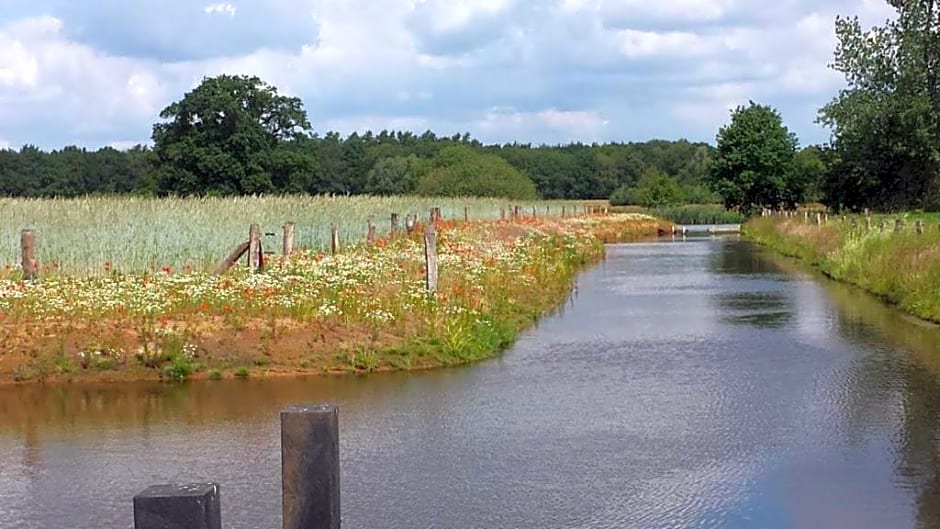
194	506
334	238
919	226
898	225
310	467
28	247
254	248
466	214
410	221
394	228
515	214
502	213
563	212
435	214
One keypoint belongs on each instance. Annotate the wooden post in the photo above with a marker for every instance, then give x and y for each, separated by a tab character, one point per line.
502	213
516	212
919	226
867	222
394	228
563	212
818	218
882	225
410	221
310	481
334	238
534	212
254	248
370	231
28	252
435	214
898	225
193	506
430	258
466	214
288	248
233	258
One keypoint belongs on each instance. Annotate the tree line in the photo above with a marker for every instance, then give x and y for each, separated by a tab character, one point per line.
236	135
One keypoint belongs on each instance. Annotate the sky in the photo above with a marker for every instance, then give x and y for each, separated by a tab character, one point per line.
98	73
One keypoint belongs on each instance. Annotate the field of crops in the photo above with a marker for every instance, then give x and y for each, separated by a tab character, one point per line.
90	236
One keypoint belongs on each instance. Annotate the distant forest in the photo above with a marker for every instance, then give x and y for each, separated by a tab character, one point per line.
383	163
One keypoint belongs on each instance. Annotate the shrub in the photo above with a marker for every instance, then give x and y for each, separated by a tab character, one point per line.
462	171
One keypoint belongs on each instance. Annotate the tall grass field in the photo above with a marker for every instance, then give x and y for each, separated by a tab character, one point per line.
88	236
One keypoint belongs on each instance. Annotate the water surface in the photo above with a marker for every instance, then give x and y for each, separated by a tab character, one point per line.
699	383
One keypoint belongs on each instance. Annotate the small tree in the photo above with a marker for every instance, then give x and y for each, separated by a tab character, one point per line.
657	189
397	175
462	171
754	163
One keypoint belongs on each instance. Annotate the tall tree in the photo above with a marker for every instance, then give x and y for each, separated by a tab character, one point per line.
754	163
231	135
886	123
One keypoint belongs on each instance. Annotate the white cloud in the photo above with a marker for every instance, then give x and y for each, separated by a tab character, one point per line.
539	70
221	8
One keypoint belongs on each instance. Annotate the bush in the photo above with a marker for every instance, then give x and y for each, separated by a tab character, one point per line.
460	171
699	214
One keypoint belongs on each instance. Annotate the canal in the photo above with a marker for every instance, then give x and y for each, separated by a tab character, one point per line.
698	383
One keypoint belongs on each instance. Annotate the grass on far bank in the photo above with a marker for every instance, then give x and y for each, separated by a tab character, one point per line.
902	268
362	310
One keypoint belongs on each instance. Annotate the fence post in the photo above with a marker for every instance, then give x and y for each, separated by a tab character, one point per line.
28	250
334	238
919	226
563	212
310	467
516	212
435	214
818	218
898	225
502	213
867	222
410	221
288	239
394	221
254	248
370	231
466	214
430	258
194	506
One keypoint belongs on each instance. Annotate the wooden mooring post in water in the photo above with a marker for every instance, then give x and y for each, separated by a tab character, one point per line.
310	481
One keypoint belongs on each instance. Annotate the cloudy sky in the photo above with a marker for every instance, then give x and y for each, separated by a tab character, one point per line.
98	72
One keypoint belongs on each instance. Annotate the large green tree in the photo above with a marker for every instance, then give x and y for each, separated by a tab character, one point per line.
886	123
233	135
754	164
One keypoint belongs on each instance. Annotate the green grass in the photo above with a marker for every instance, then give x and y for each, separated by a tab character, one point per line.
89	236
698	214
902	268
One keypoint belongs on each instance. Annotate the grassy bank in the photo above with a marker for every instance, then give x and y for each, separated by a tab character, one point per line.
698	214
903	268
362	310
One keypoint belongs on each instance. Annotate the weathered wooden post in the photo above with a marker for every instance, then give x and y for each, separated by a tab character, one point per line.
563	212
466	214
430	258
192	506
410	220
502	213
28	252
393	230
898	225
288	239
548	210
254	248
818	218
334	238
435	214
867	222
310	467
919	226
370	231
806	217
826	218
516	212
534	213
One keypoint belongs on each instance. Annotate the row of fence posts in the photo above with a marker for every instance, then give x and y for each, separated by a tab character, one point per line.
256	253
821	218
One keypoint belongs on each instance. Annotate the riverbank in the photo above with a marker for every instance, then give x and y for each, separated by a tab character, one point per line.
362	310
903	268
